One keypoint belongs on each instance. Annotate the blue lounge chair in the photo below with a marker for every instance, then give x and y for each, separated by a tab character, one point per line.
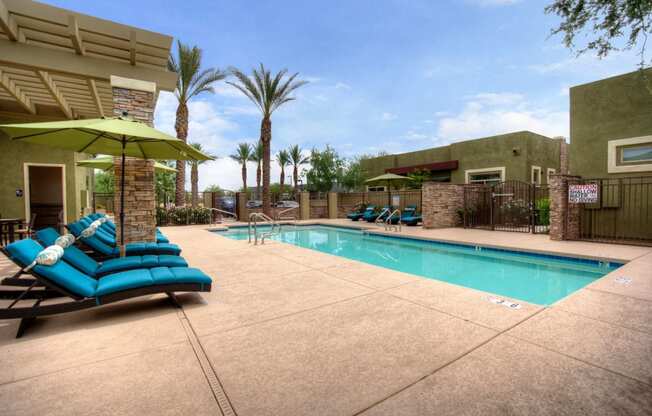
411	218
408	212
132	249
61	279
373	216
87	265
357	215
107	231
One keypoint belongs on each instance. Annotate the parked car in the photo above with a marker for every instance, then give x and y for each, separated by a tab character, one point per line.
287	204
227	203
254	203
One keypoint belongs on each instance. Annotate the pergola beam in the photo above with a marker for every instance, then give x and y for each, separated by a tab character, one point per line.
56	94
7	23
75	38
15	91
51	60
92	87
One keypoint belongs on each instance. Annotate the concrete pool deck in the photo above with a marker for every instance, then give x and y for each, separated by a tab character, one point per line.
291	331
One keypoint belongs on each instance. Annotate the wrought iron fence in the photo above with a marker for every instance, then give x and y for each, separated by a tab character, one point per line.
622	213
103	201
507	206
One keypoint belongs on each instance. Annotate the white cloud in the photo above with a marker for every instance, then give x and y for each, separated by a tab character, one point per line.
494	2
342	86
388	116
496	113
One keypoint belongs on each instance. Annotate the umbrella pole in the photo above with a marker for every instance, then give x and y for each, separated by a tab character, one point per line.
122	201
389	193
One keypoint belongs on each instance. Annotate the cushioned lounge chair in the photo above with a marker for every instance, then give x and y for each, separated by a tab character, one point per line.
408	212
109	227
132	249
86	264
357	215
373	216
62	279
413	219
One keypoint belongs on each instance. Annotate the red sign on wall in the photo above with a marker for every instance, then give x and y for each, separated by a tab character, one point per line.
583	193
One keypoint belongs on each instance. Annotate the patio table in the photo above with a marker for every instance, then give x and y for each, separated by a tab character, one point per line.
7	227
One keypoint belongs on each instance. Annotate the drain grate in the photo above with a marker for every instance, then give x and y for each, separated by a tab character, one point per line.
211	376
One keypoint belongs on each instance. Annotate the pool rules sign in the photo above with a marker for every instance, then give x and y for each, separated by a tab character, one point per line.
586	193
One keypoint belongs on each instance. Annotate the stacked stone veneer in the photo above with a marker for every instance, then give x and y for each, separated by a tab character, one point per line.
140	199
564	216
441	203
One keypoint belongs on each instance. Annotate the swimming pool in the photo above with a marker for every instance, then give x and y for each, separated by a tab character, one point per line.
536	278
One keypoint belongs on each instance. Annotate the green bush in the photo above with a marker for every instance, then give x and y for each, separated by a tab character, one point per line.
543	211
182	215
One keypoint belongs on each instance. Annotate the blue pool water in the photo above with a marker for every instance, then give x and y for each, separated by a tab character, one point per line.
535	278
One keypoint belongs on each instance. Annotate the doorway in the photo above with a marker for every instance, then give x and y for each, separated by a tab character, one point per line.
45	194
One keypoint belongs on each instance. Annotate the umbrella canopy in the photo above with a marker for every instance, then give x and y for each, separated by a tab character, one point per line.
389	178
105	136
119	136
106	163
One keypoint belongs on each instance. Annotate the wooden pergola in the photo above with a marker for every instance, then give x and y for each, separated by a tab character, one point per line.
55	63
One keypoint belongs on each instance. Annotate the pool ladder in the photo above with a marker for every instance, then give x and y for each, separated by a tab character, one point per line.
388	222
258	217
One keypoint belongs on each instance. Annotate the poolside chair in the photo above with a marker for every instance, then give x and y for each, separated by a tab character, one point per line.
60	279
110	251
374	215
359	212
407	213
411	218
110	227
86	264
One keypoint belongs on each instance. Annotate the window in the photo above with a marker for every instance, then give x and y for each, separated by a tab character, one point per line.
636	154
375	189
630	155
535	175
488	176
549	173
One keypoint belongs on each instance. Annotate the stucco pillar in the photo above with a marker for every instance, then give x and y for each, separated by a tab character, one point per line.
304	204
135	99
332	205
564	216
440	204
563	155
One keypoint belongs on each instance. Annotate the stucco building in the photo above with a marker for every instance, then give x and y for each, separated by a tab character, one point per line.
523	156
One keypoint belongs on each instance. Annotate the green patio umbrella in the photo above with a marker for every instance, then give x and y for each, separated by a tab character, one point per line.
389	178
106	163
117	136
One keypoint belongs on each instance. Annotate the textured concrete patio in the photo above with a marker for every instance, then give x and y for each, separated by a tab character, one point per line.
290	331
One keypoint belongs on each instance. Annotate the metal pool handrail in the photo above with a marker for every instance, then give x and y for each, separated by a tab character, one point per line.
279	215
388	222
379	219
254	217
221	211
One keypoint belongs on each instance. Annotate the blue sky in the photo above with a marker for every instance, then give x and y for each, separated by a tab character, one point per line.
385	75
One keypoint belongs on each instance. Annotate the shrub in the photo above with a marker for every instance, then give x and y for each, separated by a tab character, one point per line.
543	211
183	215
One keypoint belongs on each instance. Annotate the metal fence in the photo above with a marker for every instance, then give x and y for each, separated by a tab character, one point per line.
103	202
507	206
623	212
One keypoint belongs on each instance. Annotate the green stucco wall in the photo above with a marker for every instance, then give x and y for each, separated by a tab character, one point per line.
609	109
488	152
14	155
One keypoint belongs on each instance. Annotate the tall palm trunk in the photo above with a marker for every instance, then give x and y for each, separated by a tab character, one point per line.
266	138
194	179
258	178
295	177
282	178
244	177
181	126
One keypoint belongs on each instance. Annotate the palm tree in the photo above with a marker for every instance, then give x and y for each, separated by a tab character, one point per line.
268	93
283	159
192	81
258	158
296	160
194	173
242	155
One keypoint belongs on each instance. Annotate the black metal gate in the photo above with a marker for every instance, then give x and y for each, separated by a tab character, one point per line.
622	213
507	206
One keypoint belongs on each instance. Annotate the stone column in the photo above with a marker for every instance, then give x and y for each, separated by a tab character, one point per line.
441	203
241	204
332	205
304	204
135	99
564	216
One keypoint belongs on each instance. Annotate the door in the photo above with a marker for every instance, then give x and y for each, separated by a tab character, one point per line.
45	194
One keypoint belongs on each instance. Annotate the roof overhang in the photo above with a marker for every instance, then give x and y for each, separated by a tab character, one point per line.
432	167
55	61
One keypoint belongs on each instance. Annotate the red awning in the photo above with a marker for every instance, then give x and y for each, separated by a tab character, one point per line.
437	166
